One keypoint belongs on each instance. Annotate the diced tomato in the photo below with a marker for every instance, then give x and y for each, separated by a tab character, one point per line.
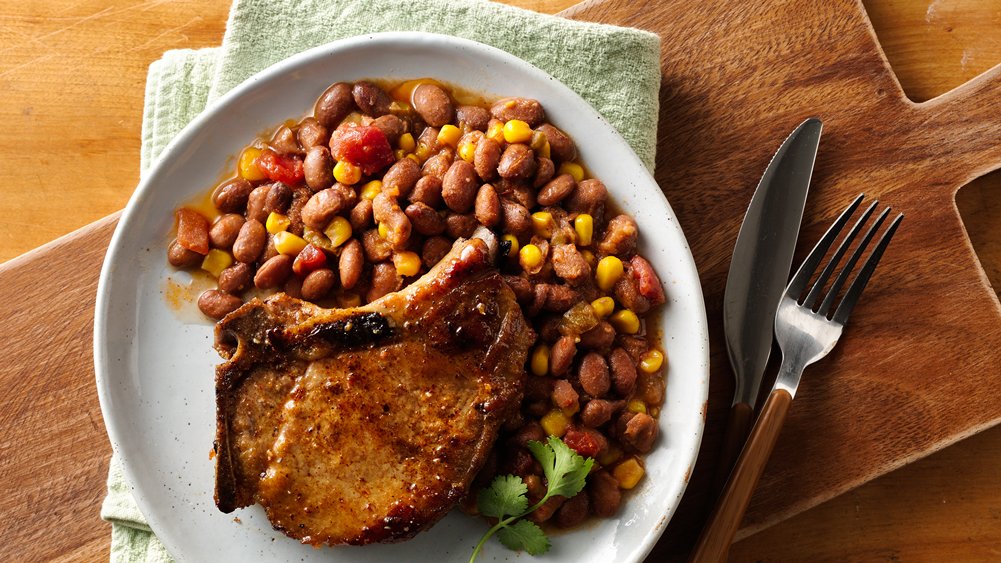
364	146
309	258
279	168
583	441
193	230
648	282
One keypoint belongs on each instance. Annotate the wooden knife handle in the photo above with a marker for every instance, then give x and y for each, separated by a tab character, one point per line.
714	543
737	427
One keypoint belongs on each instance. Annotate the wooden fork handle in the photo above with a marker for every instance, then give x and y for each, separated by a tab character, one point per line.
738	426
714	543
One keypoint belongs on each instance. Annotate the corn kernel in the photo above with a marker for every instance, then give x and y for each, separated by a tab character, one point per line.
496	132
538	141
584	226
626	322
289	244
628	473
407	142
517	131
421	153
371	189
399	154
347	173
651	361
277	223
349	300
530	257
555	424
545	151
603	306
216	261
609	272
407	263
514	245
543	223
573	169
467	151
653	411
571	410
636	406
611	454
338	231
449	135
589	257
248	164
539	362
383	230
414	158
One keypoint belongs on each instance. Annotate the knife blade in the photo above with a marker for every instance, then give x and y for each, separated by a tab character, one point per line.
759	272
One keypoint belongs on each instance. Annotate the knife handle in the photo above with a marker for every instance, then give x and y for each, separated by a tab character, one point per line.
714	543
737	428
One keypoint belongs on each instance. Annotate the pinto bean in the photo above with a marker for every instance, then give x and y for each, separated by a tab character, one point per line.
236	278
391	126
569	263
217	304
300	196
641	432
597	412
459	186
376	248
623	372
425	220
599	338
250	242
326	204
559	298
562	355
401	177
526	109
517	162
387	212
516	191
428	191
460	225
475	117
620	236
556	190
547	510
350	263
516	218
433	104
318	168
180	257
651	389
564	395
589	197
521	287
544	173
293	287
487	208
593	374
278	199
438	165
231	196
574	511
361	215
529	432
603	490
627	293
434	249
333	105
370	99
312	134
256	202
561	146
284	141
486	157
384	280
225	230
274	272
318	284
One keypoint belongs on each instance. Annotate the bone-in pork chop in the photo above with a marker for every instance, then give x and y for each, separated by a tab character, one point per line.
353	426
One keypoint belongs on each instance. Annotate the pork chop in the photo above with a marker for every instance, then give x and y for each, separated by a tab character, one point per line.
362	425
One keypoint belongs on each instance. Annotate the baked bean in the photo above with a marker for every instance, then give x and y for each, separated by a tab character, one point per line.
425	220
620	236
623	372
604	493
428	192
434	249
433	104
593	375
318	168
284	141
589	197
516	218
521	287
559	298
651	389
391	126
312	134
517	191
231	196
599	338
569	263
636	346
180	257
250	241
236	278
279	198
561	355
564	395
293	287
597	412
371	99
376	248
473	116
273	272
526	109
459	186
487	208
517	162
270	251
627	294
255	204
350	263
460	225
217	304
561	146
225	230
333	105
192	230
528	433
486	157
401	177
384	280
318	284
574	511
326	204
361	215
544	173
437	165
641	432
556	190
387	212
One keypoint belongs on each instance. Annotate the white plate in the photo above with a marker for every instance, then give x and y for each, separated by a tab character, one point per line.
155	370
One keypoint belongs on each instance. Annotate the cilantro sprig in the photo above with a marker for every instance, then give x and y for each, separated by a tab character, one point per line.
506	498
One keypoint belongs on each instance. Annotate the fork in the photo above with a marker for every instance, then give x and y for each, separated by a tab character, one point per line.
806	333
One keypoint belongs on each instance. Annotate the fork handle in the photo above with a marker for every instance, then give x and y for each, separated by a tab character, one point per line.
714	543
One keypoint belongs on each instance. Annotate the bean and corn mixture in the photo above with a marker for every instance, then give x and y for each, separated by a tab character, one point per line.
370	191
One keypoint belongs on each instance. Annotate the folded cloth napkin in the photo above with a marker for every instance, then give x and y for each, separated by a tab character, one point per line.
615	69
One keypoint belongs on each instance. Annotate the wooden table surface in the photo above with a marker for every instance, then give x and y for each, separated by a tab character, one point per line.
73	76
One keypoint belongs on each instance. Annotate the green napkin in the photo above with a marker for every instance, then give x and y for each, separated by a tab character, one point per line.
615	69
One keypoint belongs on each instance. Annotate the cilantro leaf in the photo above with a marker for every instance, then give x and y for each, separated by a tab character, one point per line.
525	535
504	497
565	469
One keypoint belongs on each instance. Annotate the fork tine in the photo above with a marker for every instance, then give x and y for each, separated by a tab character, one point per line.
839	282
855	290
818	286
803	274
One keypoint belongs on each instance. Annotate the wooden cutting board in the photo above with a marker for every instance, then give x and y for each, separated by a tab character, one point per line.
912	375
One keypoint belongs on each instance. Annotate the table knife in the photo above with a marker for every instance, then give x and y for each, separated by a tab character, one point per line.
759	272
